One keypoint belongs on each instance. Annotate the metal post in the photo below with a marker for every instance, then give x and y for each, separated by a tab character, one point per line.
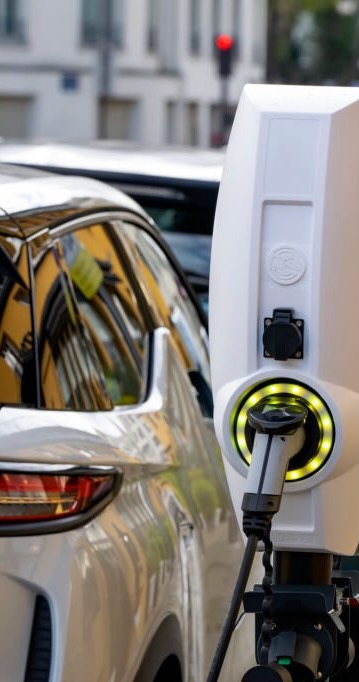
302	568
224	110
105	60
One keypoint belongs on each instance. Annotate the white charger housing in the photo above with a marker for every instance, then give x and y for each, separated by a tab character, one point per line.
286	236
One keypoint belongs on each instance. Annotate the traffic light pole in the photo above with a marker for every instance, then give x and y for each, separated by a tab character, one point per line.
224	110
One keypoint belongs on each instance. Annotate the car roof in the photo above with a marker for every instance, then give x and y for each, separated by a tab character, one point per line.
26	193
178	164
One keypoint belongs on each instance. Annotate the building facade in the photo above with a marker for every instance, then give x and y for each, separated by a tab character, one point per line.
139	70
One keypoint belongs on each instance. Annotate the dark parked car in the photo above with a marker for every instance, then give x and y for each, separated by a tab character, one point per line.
177	187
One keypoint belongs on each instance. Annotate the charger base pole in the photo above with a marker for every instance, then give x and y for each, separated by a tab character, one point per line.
302	568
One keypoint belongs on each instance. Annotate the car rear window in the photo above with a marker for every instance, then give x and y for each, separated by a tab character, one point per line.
187	210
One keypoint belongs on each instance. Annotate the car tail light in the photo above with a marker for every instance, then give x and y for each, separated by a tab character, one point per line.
35	497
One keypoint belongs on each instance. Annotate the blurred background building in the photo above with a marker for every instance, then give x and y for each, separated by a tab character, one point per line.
138	70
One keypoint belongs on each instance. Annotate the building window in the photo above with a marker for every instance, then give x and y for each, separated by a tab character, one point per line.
152	26
118	119
194	27
103	21
15	116
12	27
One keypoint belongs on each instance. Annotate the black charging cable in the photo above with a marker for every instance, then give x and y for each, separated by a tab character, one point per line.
231	617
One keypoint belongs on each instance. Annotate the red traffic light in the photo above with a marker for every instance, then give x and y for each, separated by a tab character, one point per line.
224	42
225	45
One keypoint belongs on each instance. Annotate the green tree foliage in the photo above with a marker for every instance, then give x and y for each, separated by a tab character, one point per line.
329	50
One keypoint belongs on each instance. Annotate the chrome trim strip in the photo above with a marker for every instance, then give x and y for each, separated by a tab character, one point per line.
94	218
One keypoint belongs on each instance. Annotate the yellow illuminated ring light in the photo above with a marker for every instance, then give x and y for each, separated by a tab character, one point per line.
317	409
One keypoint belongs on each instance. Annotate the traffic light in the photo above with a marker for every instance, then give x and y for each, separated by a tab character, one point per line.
224	45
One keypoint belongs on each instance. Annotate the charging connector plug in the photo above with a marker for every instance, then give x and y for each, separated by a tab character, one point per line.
279	436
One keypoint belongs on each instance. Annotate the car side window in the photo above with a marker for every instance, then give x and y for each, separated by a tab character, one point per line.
171	297
173	307
110	309
71	376
16	339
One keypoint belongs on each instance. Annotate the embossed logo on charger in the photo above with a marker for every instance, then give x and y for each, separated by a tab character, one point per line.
286	265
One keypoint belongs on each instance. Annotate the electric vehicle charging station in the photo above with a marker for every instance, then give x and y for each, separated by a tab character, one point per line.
284	344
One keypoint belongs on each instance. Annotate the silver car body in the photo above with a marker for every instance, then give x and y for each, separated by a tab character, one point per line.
147	581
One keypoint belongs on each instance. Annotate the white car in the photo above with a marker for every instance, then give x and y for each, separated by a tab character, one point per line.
118	545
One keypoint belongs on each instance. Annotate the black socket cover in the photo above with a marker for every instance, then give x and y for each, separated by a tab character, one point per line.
282	338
